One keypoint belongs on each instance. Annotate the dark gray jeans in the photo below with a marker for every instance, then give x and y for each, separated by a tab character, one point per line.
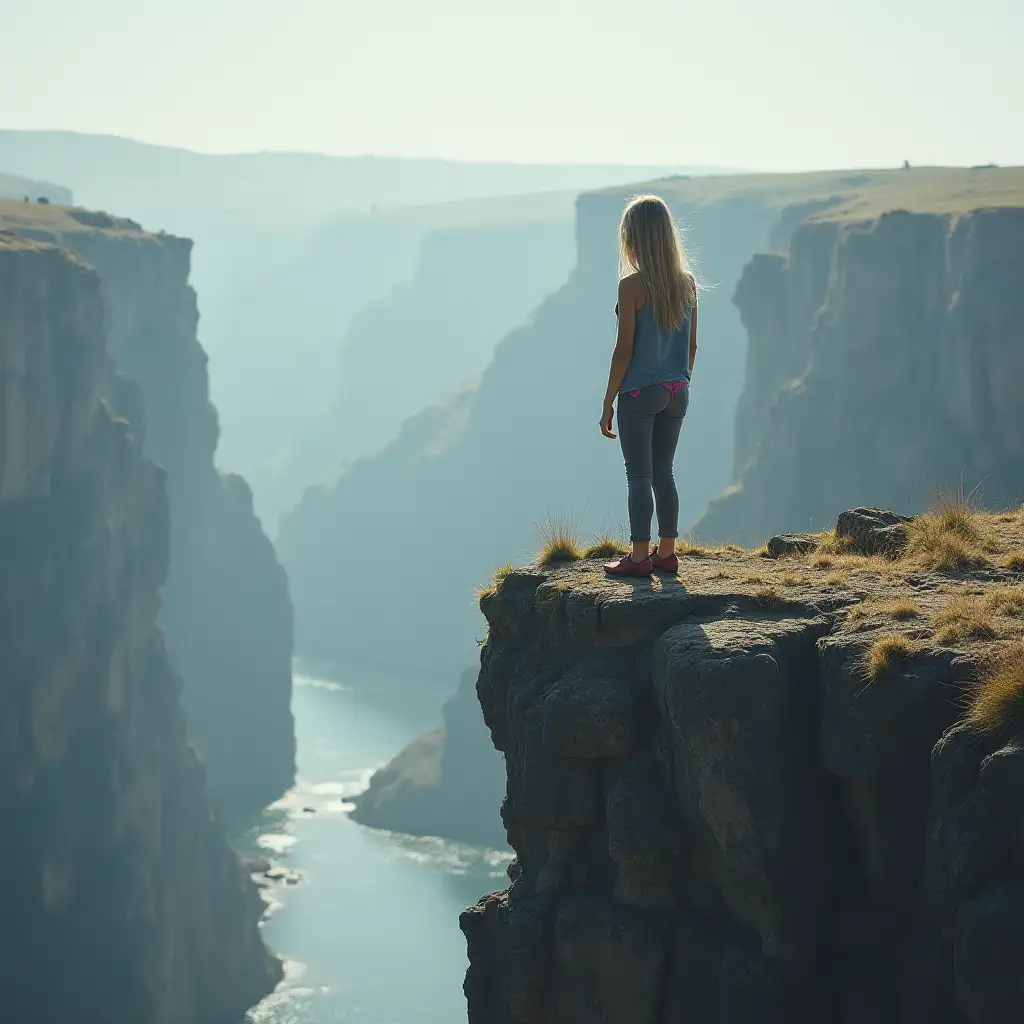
649	426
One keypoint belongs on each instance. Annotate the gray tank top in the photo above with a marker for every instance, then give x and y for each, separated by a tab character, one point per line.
659	357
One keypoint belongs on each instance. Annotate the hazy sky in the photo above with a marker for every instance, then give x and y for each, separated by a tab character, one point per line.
751	83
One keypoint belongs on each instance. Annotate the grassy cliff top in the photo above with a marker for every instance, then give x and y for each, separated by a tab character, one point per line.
955	590
857	194
49	219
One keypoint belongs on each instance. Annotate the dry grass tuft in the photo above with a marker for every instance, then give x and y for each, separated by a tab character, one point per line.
733	547
980	616
605	547
558	542
690	549
501	572
559	549
497	577
831	543
836	579
768	595
899	609
963	619
952	536
1006	600
886	652
997	703
754	579
788	579
1014	561
877	564
822	562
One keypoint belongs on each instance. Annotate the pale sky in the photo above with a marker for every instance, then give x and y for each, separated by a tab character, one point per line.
792	84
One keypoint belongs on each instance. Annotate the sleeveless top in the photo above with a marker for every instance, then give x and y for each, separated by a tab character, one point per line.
659	357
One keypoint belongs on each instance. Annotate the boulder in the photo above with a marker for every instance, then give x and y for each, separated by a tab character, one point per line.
791	544
873	531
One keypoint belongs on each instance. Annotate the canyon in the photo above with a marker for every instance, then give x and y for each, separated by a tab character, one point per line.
225	610
124	902
766	789
489	448
288	247
518	451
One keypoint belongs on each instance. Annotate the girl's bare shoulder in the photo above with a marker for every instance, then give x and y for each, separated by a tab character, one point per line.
631	288
631	285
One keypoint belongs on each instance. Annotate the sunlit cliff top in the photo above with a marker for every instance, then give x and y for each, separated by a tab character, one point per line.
49	219
858	194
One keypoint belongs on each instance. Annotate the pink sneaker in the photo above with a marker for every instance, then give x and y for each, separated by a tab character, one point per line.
625	566
670	564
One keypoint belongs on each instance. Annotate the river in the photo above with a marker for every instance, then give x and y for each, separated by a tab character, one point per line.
366	921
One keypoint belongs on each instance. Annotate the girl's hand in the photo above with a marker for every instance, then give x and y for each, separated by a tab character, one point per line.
606	420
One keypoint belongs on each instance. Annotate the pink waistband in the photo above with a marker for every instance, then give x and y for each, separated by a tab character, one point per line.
672	385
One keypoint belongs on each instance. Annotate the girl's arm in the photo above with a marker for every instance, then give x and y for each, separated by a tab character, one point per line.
693	337
622	353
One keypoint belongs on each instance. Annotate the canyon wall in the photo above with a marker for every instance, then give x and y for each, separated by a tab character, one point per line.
123	902
226	612
884	366
720	817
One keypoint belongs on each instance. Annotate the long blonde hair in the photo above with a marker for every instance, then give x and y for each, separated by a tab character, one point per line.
649	245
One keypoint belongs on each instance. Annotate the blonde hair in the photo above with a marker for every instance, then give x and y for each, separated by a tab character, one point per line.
649	245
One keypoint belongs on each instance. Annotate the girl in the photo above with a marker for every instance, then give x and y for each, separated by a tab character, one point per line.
650	373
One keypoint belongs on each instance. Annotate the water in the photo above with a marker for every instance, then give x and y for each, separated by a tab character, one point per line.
369	932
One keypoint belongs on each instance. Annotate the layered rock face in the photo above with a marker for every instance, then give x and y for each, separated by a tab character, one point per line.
722	815
124	902
883	367
226	611
446	783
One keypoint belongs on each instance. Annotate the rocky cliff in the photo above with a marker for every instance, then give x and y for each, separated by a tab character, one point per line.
226	611
750	793
884	364
446	783
123	901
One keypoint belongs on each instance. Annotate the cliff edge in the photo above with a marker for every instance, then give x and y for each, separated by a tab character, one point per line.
782	786
123	902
